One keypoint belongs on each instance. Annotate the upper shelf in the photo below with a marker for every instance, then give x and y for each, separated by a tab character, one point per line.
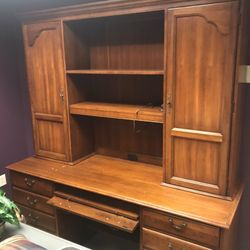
115	72
98	43
118	111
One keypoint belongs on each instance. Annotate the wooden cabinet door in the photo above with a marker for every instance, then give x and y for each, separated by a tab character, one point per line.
45	67
201	50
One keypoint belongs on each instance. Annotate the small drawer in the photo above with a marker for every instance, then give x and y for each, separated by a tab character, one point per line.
158	241
31	183
38	219
32	200
191	230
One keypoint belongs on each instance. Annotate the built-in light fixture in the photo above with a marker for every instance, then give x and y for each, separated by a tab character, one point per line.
244	74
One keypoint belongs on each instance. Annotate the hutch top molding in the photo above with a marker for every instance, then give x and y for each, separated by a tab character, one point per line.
109	8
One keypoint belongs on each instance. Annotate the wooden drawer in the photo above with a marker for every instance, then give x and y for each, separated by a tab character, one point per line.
32	200
121	219
191	230
158	241
38	219
31	183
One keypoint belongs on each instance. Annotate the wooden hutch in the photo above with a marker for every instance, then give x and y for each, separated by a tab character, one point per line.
136	111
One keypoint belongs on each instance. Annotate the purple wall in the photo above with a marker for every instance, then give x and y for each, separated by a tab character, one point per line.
244	239
15	125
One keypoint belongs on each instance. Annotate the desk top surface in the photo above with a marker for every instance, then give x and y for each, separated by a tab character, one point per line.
133	182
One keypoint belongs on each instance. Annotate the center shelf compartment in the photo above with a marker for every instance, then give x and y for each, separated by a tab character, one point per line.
115	78
126	97
98	43
118	111
118	138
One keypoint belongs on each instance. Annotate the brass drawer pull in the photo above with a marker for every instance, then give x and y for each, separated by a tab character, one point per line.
31	202
28	182
32	219
180	227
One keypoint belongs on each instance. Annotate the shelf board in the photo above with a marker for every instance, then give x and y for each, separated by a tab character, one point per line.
118	111
115	72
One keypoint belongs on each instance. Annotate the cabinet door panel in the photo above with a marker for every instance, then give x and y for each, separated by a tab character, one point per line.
194	154
44	55
200	76
50	139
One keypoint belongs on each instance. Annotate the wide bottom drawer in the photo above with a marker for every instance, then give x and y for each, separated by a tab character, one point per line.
38	219
158	241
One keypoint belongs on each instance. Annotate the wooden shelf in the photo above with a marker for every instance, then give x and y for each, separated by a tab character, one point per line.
115	72
118	111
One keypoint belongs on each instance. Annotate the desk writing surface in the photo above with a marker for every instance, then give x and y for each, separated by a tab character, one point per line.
133	182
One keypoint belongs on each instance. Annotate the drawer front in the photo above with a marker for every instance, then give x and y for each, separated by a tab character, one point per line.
32	200
38	219
188	229
31	183
158	241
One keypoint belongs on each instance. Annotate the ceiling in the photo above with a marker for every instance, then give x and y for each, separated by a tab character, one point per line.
28	5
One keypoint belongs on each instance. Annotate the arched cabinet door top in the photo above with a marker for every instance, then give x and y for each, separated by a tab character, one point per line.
34	31
221	16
